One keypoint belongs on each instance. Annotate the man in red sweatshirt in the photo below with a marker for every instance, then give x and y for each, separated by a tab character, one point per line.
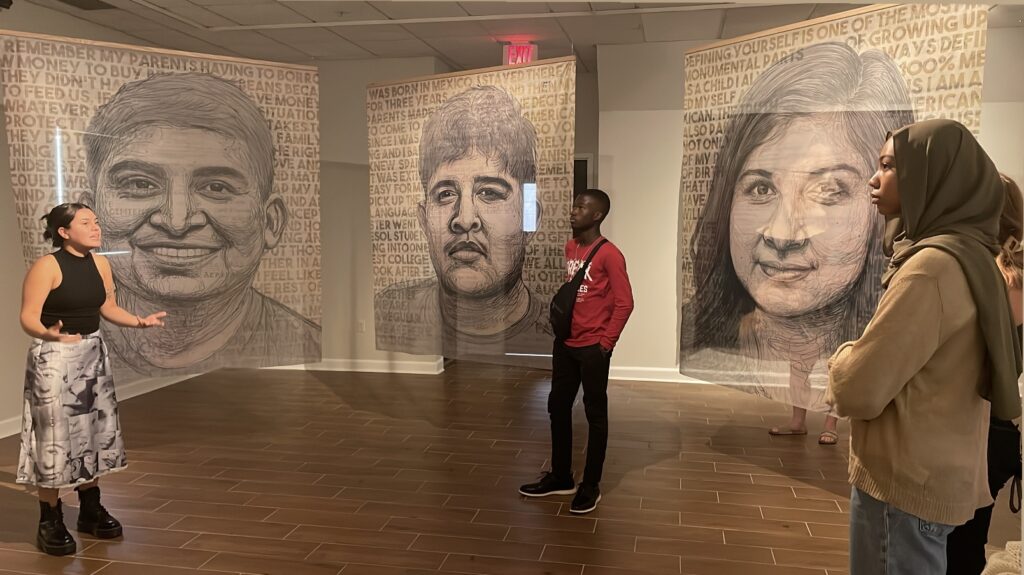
603	304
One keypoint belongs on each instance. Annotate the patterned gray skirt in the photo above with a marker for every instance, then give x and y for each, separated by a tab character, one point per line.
70	432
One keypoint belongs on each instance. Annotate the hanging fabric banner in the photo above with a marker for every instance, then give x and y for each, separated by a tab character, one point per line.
780	246
470	188
204	173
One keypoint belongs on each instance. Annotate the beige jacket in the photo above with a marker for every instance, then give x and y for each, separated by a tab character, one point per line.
910	386
1004	562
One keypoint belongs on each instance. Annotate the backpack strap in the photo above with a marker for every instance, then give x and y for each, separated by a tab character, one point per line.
590	257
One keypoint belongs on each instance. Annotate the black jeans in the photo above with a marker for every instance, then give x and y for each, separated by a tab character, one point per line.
571	366
965	550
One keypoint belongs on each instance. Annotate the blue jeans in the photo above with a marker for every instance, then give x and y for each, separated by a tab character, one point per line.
887	541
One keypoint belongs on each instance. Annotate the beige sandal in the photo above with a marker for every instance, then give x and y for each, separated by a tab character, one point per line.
828	438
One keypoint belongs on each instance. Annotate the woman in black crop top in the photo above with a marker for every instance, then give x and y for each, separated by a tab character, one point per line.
70	431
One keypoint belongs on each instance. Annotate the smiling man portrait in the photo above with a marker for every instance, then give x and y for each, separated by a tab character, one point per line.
181	171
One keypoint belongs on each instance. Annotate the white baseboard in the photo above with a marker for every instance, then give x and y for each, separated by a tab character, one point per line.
12	425
665	374
434	367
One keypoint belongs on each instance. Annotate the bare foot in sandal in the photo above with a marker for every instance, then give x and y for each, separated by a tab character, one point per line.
797	424
831	435
828	438
786	431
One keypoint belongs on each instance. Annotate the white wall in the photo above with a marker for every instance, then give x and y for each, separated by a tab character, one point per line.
1002	109
641	126
343	133
348	334
587	115
641	142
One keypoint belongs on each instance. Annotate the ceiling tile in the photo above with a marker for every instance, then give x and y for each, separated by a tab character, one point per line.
272	51
410	48
479	52
381	33
466	43
257	14
336	11
317	42
183	8
569	6
602	6
1006	16
446	29
553	49
829	9
120	20
175	40
230	2
677	4
498	8
474	60
534	29
149	26
143	21
409	10
251	44
590	30
675	26
741	21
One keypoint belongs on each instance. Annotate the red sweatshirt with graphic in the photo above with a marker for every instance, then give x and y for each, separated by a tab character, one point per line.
605	299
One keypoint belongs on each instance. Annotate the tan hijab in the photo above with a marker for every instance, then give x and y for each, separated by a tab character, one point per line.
952	199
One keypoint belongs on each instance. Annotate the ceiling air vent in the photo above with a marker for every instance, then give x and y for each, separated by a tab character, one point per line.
88	4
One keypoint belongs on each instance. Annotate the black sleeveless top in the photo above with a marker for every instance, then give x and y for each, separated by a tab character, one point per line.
78	298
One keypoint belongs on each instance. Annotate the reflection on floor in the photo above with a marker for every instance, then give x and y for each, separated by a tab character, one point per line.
294	473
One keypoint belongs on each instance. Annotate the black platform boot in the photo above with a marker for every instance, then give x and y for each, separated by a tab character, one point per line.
93	518
53	537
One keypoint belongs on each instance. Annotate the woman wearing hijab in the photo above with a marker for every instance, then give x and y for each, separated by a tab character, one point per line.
940	344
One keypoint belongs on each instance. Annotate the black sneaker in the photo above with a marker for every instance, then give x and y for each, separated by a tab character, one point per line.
586	499
549	484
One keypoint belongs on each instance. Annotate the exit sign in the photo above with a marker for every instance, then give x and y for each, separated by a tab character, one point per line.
516	53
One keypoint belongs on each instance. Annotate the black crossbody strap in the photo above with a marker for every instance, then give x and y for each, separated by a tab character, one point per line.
578	278
1015	495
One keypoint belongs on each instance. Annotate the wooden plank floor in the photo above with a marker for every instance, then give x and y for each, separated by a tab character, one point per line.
320	473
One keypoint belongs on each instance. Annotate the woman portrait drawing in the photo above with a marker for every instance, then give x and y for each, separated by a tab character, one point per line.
785	255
